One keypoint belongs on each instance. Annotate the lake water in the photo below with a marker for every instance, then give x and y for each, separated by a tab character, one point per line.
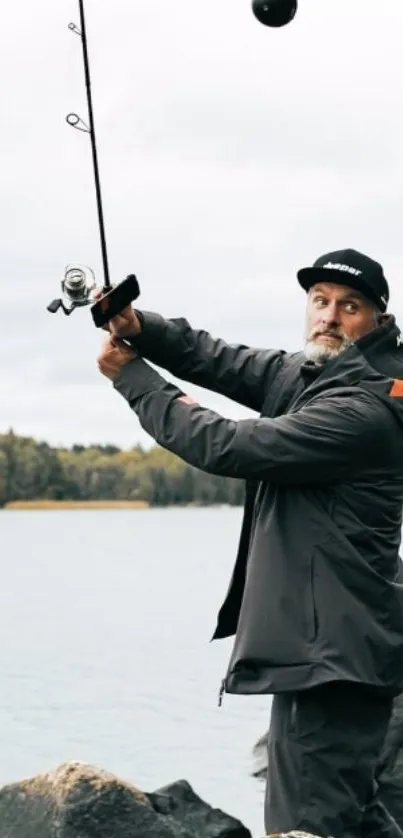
105	620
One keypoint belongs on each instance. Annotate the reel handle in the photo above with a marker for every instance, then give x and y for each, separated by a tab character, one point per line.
115	300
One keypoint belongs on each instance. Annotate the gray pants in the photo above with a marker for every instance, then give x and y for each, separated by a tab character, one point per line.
324	745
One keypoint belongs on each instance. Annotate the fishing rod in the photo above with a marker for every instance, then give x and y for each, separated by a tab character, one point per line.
78	282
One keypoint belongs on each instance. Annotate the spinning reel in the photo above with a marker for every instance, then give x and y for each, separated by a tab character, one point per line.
78	285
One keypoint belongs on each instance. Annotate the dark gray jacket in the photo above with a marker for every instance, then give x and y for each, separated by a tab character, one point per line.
315	594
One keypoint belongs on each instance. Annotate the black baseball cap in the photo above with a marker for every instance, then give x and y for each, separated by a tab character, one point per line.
349	267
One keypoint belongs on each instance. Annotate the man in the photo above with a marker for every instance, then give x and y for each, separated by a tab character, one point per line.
315	600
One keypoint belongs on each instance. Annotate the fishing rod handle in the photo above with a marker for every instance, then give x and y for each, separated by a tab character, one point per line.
115	300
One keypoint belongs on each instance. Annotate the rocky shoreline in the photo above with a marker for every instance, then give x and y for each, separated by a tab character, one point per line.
81	801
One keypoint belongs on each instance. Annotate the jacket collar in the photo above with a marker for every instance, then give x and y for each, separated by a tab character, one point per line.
372	357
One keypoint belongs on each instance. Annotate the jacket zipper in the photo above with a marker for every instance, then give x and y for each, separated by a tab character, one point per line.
221	692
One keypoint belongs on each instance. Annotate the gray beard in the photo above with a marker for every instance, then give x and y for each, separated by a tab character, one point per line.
322	354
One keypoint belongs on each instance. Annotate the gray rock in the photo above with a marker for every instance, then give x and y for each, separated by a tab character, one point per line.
80	801
294	834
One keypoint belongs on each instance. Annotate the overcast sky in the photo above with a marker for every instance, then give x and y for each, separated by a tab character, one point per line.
230	155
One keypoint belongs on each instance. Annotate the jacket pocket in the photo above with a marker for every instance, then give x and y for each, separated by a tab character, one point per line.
310	610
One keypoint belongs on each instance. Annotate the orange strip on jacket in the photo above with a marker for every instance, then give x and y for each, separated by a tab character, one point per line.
397	388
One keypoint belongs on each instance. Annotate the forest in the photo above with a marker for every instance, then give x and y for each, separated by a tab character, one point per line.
33	470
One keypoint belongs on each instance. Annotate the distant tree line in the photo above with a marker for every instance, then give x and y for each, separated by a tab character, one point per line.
32	470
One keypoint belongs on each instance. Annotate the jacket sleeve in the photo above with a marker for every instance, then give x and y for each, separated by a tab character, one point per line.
238	372
334	437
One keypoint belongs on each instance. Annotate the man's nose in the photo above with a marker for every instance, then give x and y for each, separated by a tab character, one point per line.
330	314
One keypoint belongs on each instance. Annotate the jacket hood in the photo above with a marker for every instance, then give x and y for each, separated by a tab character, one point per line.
383	348
374	362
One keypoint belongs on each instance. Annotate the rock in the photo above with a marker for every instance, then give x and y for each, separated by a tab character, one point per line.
292	835
80	801
189	815
389	773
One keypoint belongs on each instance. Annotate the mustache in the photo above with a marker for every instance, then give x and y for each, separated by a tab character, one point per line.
330	333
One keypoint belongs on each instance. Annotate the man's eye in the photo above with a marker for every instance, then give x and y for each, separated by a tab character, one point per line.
320	302
352	308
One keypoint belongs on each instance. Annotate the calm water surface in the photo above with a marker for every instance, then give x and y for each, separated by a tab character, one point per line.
105	620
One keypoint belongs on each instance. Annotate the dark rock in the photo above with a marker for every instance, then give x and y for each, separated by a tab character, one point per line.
80	801
190	815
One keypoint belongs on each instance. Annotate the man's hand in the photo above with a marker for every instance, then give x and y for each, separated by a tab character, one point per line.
113	356
124	325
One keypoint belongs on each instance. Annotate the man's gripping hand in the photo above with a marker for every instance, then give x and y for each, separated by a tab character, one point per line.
125	325
113	356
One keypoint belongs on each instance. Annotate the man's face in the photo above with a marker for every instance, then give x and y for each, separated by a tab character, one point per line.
336	317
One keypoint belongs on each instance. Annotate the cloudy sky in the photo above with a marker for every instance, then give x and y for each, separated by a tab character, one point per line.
230	156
